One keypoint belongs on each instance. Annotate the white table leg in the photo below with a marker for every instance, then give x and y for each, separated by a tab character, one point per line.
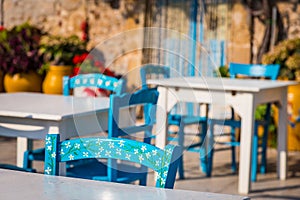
247	127
23	144
282	138
161	118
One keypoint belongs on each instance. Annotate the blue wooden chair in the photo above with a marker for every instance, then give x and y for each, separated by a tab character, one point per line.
181	121
247	71
121	104
164	162
82	80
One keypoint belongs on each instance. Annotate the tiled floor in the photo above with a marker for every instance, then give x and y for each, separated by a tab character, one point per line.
222	180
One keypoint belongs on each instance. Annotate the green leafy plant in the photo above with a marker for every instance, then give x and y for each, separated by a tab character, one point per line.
57	50
19	49
287	54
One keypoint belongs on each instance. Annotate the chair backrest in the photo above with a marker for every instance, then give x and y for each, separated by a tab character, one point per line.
254	70
164	162
145	97
96	80
153	71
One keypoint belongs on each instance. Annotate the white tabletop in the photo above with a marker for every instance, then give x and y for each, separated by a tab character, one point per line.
48	107
28	186
220	83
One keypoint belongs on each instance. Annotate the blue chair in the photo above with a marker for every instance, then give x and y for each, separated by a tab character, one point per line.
121	104
181	121
82	80
247	71
162	161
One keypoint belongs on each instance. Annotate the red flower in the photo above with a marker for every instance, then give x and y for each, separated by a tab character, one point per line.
2	28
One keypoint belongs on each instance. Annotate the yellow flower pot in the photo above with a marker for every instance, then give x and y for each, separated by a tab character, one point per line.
53	83
293	112
293	107
23	82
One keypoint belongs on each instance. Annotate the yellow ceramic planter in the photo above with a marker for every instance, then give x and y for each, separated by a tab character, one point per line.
293	112
23	82
54	79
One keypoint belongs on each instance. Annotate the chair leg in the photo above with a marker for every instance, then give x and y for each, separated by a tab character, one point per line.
254	154
203	152
181	143
233	150
210	149
26	162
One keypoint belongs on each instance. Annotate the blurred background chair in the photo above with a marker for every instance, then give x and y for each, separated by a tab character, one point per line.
150	71
256	71
95	81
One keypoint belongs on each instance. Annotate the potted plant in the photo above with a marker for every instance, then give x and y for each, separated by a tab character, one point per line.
287	54
20	59
58	53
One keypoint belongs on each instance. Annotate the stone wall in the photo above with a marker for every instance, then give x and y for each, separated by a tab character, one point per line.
65	17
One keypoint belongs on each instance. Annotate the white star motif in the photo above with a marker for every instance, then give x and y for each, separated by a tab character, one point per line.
162	181
148	155
154	152
107	153
68	145
48	141
49	148
85	154
136	151
141	158
48	170
53	155
97	154
111	145
165	173
71	157
101	149
143	148
118	151
169	151
77	146
128	156
121	143
157	163
62	152
98	141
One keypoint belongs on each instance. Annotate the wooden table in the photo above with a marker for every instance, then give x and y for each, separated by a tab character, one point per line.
243	95
33	115
28	186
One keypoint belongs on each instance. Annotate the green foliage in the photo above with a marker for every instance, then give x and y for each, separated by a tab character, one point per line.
57	50
223	71
19	48
287	54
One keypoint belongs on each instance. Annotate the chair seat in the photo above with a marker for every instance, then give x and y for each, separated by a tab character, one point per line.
97	170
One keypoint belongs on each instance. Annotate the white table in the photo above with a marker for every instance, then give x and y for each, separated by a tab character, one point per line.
33	115
243	96
28	186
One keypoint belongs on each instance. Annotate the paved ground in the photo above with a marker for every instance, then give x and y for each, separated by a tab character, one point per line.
222	181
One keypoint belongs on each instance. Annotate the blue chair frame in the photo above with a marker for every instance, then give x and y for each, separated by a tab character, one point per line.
248	71
82	80
126	174
156	72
